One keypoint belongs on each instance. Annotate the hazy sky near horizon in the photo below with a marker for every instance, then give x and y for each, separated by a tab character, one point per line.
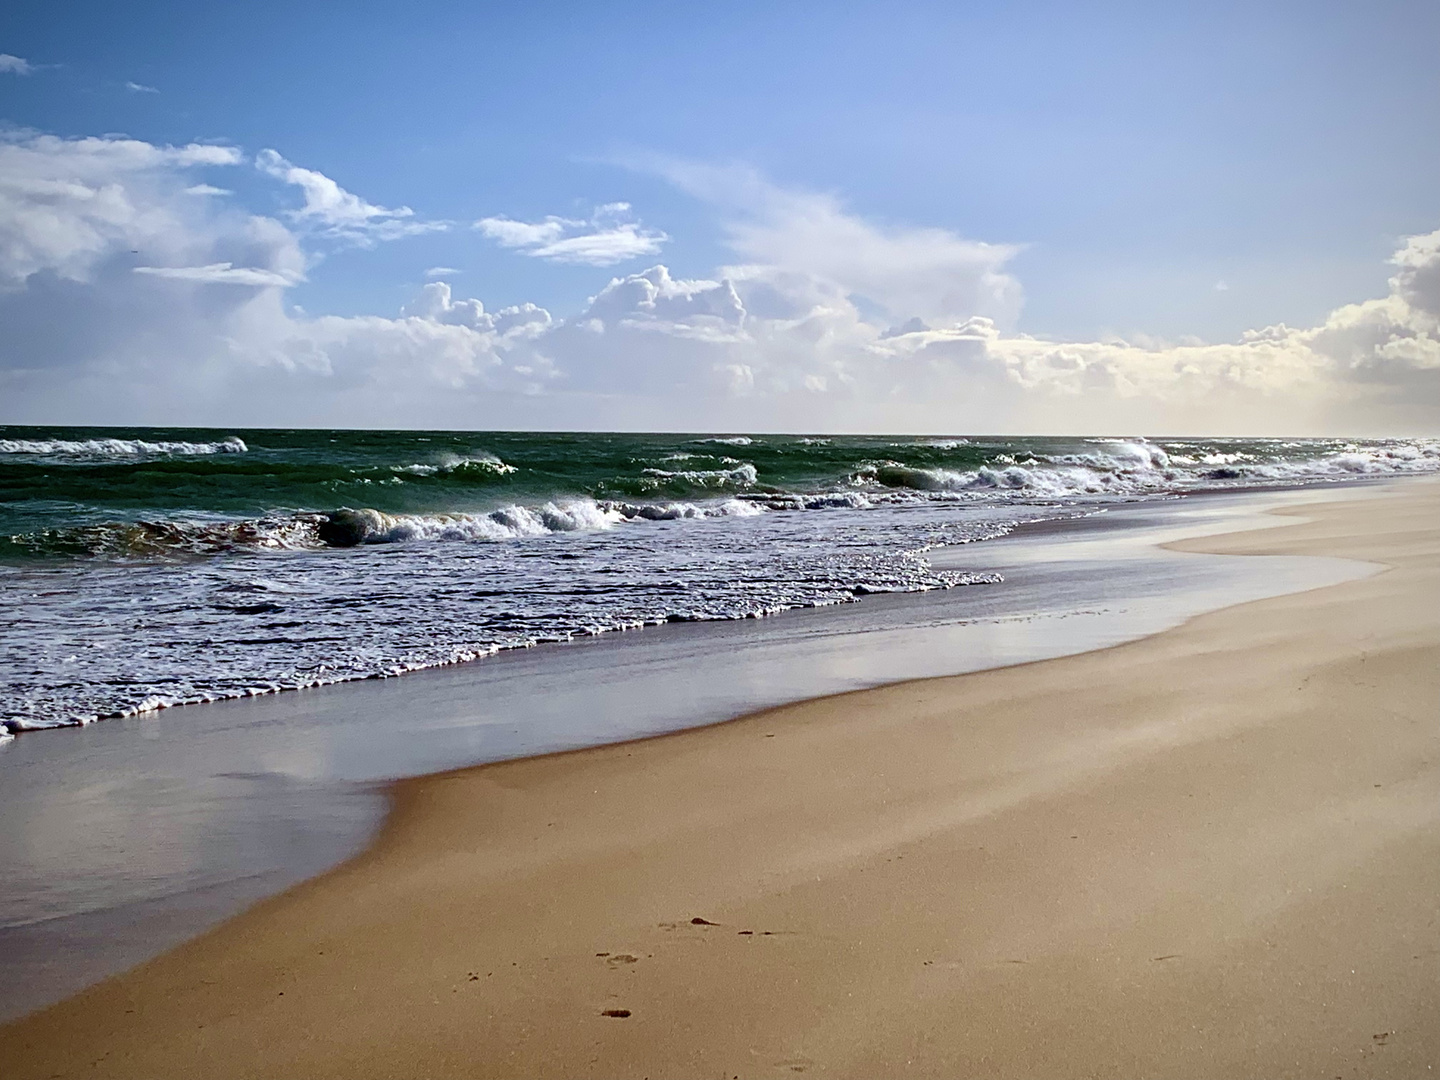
930	217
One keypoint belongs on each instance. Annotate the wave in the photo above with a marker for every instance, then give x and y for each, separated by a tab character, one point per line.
826	500
742	476
932	444
1119	456
483	465
351	528
118	448
1142	468
1014	479
139	539
728	440
683	511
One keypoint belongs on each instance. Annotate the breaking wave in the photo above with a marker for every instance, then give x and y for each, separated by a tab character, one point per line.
118	448
1143	468
742	475
350	528
482	465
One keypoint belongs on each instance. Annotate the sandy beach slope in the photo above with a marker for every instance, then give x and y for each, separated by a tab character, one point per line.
1209	853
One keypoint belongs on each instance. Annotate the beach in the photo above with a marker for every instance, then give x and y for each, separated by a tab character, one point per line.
1210	852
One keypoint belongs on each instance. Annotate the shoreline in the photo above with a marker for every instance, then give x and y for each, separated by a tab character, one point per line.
134	836
1158	857
1027	529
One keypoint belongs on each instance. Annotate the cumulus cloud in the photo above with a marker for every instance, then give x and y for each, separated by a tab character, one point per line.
1378	358
334	212
127	295
779	342
67	205
908	273
607	237
14	65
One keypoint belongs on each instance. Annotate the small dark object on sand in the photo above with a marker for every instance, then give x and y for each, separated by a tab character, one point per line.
697	921
620	1013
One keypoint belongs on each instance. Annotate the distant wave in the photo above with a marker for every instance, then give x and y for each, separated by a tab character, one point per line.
480	465
743	475
1142	468
117	448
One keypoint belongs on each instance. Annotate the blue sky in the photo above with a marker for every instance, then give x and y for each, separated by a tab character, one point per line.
1164	173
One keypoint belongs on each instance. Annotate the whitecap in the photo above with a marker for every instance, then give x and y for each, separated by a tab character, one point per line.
118	448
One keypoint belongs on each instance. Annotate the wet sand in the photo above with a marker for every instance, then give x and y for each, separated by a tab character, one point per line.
1211	852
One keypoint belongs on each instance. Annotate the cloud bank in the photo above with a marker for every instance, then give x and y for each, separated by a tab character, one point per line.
133	290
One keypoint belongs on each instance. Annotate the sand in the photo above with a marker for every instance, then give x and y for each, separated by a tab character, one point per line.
1209	853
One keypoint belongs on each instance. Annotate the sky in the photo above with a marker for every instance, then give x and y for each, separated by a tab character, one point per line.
1071	218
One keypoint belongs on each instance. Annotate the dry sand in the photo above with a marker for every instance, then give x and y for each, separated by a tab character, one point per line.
1209	853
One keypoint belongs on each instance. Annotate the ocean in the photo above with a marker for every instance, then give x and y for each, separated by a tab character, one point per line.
144	568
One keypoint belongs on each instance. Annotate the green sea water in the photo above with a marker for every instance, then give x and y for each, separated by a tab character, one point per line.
147	567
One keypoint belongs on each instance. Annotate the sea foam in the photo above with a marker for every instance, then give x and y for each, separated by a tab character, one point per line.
118	448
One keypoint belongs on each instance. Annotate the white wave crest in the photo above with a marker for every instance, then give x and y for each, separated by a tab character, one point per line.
349	528
742	475
825	500
684	511
117	448
1119	456
484	464
1137	467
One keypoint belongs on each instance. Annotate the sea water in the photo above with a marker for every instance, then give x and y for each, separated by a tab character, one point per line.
144	568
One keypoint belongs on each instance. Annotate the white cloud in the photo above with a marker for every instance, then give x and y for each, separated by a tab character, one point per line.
441	271
607	237
13	65
1418	281
112	310
66	205
140	88
222	273
906	272
521	234
337	213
